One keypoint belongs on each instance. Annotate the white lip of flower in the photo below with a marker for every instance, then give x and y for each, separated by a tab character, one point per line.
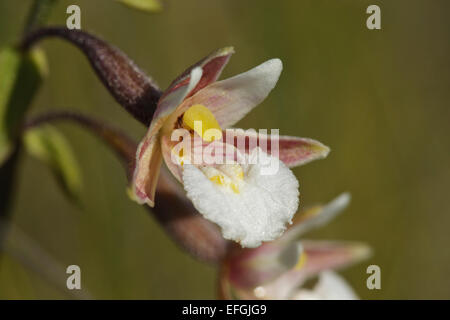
249	207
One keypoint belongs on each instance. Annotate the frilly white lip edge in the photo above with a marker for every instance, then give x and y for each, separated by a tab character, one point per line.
259	212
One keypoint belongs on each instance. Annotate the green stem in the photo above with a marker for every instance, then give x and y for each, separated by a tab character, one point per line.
36	17
36	259
38	14
7	185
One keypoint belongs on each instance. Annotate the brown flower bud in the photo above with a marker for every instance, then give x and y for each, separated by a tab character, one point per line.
129	85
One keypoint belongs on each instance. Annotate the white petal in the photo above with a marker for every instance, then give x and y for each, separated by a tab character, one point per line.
231	99
323	217
306	294
172	100
331	286
259	212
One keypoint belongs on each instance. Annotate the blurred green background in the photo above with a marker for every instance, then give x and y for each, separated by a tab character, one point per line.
379	99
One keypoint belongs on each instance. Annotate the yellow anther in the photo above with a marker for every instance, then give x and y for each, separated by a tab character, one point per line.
224	181
230	176
301	261
200	119
219	179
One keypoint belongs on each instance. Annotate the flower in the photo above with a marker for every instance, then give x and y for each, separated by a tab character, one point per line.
249	205
279	269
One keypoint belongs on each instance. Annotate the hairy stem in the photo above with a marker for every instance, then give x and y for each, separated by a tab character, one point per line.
120	143
129	85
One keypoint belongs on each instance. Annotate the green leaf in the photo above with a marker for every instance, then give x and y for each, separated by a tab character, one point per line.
50	146
144	5
20	78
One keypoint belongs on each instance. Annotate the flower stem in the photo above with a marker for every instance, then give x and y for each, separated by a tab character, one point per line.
120	143
38	14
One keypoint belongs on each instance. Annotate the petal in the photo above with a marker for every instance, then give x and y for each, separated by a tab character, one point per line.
170	101
296	151
293	151
324	255
199	150
330	286
258	212
167	145
320	256
231	99
148	156
183	87
316	217
249	268
146	172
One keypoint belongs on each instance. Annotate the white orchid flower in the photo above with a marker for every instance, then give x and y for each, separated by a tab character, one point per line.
248	205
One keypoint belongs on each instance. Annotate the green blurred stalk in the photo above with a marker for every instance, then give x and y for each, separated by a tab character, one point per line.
38	14
7	186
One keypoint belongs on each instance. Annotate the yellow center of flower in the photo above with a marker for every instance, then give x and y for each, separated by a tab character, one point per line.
200	119
230	176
